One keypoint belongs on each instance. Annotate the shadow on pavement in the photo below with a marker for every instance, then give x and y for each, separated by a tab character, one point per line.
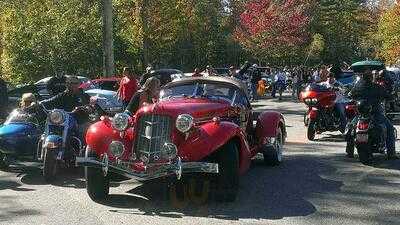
31	174
265	193
11	209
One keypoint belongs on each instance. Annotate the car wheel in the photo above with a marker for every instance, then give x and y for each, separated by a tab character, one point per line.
50	165
273	156
311	130
97	185
228	176
364	154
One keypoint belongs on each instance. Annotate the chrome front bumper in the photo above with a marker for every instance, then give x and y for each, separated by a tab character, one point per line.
176	168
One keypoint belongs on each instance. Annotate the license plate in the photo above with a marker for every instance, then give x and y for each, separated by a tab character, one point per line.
362	138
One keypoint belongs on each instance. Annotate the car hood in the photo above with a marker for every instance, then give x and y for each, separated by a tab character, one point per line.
198	108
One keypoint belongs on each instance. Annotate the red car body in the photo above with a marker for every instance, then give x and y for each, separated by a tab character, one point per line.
216	123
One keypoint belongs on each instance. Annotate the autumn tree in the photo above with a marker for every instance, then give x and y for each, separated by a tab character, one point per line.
389	35
269	28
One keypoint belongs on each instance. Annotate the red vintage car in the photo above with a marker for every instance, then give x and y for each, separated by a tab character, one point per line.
201	125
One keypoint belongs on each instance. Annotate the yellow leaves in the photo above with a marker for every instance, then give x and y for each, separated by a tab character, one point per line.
389	35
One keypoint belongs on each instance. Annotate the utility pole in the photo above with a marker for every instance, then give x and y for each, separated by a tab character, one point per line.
145	29
108	46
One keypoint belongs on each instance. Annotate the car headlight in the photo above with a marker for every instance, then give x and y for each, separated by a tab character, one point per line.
116	148
120	121
170	151
56	117
184	122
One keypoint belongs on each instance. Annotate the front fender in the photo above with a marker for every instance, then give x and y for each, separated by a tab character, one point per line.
208	138
100	135
313	114
53	142
268	123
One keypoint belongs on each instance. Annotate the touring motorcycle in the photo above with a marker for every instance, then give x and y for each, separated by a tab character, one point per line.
321	115
62	140
366	134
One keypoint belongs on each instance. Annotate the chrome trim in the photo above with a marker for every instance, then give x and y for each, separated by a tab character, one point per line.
176	168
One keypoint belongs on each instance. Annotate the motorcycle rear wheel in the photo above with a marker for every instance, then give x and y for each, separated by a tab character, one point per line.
364	154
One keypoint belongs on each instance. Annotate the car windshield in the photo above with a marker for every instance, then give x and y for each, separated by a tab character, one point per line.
205	90
18	116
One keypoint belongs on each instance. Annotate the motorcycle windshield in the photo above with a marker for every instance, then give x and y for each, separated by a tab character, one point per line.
317	87
18	116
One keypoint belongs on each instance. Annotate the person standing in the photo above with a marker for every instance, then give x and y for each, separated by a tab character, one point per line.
210	71
197	73
255	78
3	98
146	75
56	84
128	86
146	95
296	84
324	74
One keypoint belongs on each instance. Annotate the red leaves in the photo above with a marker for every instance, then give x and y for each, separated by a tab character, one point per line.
267	24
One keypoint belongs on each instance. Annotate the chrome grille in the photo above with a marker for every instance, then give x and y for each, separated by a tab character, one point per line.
153	131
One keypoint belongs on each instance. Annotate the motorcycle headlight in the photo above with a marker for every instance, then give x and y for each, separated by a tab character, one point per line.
120	121
184	122
314	100
307	100
116	148
56	117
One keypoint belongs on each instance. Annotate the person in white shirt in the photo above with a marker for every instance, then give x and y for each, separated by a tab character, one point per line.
280	82
316	78
340	101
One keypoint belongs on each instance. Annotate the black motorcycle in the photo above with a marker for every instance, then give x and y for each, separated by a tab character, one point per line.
365	134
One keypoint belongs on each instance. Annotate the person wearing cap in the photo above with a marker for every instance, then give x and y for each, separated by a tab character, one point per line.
127	87
374	94
69	99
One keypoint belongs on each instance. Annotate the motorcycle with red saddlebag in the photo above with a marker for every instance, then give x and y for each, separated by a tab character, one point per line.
321	115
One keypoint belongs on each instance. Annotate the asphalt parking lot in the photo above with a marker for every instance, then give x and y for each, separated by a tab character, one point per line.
316	184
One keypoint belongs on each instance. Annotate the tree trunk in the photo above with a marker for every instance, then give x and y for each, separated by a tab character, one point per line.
108	46
145	29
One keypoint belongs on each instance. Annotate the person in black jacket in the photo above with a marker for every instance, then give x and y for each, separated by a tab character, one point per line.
56	84
70	99
374	94
148	94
